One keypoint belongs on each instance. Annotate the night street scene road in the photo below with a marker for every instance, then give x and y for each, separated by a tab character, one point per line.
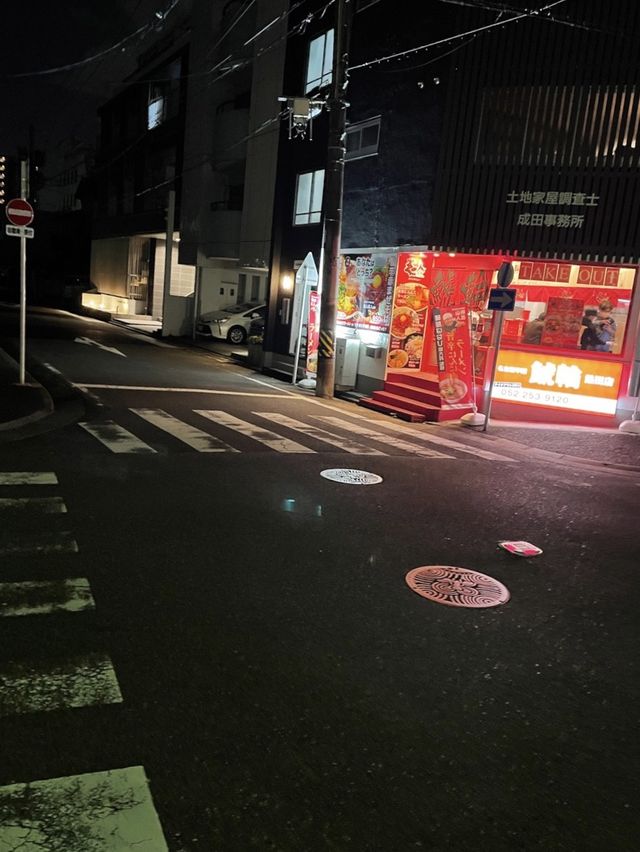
320	426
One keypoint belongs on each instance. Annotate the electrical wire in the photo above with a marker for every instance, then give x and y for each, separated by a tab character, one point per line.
449	39
89	59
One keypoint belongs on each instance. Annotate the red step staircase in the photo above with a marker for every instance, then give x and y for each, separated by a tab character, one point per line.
412	396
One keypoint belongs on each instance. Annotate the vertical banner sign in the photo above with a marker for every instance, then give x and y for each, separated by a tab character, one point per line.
313	334
453	351
409	313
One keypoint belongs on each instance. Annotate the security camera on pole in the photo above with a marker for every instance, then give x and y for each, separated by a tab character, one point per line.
332	201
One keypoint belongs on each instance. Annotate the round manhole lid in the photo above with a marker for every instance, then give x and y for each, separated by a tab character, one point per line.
453	586
349	476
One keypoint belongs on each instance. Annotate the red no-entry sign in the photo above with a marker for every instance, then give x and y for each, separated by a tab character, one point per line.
19	212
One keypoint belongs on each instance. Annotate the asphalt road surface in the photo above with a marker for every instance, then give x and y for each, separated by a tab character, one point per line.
207	645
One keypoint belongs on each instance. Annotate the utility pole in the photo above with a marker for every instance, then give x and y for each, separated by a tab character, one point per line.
332	200
24	193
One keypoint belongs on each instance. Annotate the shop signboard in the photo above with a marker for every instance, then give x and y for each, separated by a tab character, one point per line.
562	322
365	291
313	333
453	351
409	313
554	381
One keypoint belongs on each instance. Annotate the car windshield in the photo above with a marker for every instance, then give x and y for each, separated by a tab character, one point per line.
238	309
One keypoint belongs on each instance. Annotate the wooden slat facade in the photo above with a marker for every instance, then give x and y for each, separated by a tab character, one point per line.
543	107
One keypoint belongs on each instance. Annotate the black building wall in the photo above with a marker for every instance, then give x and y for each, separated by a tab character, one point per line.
544	107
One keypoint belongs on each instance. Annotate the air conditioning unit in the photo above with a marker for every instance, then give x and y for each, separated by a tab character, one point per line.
347	355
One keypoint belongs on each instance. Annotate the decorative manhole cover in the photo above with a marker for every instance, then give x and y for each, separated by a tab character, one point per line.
350	476
453	586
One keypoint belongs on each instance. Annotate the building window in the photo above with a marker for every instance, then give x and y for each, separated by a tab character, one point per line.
363	139
308	207
255	288
155	107
320	62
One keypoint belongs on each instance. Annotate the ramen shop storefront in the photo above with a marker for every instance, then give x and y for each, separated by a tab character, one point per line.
567	348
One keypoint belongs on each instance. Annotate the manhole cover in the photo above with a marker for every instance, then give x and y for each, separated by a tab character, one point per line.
350	476
452	586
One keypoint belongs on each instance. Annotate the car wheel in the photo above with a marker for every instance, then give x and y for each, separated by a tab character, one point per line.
236	334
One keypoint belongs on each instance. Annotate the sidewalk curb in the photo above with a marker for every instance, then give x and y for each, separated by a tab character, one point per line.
46	408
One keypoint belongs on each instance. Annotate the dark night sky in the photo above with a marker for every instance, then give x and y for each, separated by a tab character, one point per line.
40	35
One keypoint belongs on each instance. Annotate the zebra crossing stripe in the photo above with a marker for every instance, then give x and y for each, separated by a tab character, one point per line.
184	432
45	597
264	436
106	811
320	434
443	442
27	478
46	505
43	685
60	544
116	438
372	435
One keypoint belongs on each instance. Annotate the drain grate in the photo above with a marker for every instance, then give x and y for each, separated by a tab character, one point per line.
452	586
351	477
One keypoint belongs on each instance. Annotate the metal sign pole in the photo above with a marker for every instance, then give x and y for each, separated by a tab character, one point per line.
496	349
24	178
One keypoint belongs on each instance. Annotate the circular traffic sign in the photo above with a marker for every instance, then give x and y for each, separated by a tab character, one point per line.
19	212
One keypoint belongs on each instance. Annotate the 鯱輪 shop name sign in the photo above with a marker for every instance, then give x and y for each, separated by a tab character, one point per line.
552	381
544	217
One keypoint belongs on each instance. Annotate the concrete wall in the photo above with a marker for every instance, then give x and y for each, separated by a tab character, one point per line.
110	265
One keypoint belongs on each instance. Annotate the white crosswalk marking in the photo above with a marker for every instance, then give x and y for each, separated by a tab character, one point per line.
45	597
373	435
59	543
27	478
107	811
116	438
337	441
46	505
42	685
264	436
436	439
196	438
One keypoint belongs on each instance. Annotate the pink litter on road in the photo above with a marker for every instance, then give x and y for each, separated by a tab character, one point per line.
520	548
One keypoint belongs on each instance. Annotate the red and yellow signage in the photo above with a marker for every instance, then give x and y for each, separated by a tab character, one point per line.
313	333
409	313
552	381
453	350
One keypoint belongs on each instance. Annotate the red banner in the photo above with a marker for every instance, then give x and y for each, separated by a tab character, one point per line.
313	333
563	323
453	349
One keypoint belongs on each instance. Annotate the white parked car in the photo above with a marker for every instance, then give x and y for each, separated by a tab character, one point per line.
230	323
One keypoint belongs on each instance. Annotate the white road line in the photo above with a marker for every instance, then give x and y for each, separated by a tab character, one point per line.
181	390
273	387
27	478
116	438
372	435
435	439
46	505
43	685
264	436
88	342
45	597
59	545
184	432
337	441
109	811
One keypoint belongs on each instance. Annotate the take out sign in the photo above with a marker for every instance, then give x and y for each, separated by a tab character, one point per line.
583	276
